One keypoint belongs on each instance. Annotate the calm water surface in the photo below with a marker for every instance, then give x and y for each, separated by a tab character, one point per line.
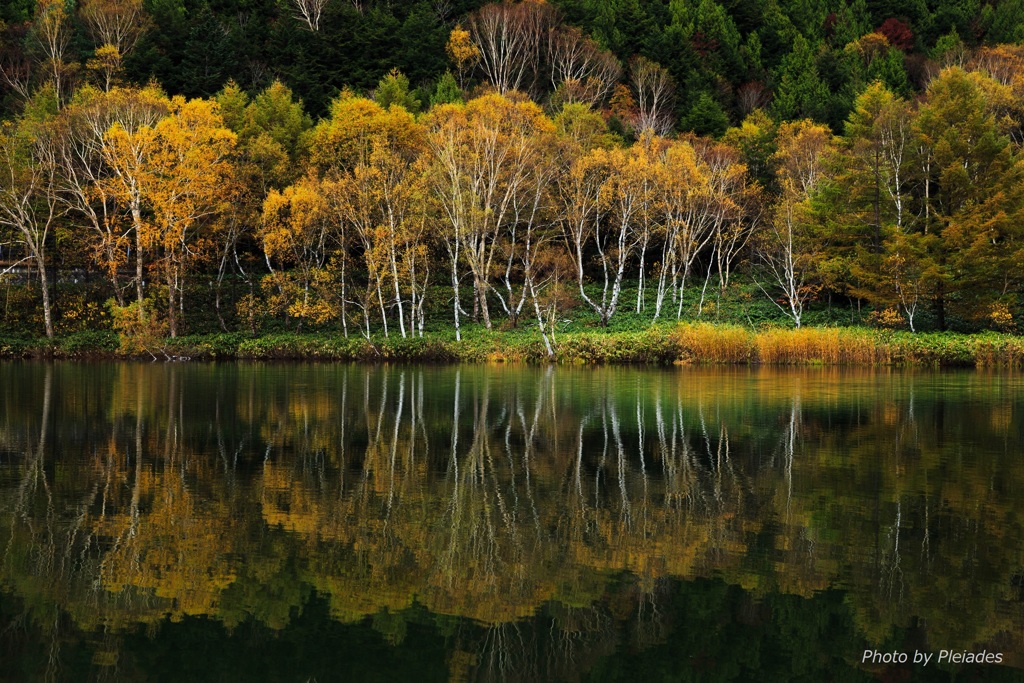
335	522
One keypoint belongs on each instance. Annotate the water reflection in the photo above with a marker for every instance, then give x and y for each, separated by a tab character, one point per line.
543	518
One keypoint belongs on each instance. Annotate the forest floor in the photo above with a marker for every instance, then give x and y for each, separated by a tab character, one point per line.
741	327
659	344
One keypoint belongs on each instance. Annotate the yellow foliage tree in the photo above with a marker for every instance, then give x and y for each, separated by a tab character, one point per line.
482	157
125	148
186	171
296	232
372	160
463	52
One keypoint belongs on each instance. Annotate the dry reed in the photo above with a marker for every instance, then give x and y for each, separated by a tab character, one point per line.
827	346
707	343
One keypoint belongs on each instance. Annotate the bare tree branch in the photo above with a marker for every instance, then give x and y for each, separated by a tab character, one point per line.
310	11
654	91
509	36
587	72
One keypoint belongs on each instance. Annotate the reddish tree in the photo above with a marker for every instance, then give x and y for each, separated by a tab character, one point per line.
828	27
898	34
702	44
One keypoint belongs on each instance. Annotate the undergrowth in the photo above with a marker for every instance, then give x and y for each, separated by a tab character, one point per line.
683	343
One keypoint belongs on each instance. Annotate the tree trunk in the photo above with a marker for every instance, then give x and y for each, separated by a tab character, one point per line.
172	314
642	279
455	301
47	314
180	285
252	312
476	301
482	294
940	311
540	320
344	312
398	294
115	281
383	313
140	295
217	292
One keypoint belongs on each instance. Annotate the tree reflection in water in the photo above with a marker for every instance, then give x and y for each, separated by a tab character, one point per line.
544	518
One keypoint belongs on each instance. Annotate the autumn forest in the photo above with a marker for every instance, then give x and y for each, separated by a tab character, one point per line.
808	213
381	171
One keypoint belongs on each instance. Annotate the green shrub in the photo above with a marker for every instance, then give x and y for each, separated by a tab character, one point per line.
18	347
88	342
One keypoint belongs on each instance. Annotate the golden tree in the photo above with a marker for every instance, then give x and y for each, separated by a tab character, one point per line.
788	247
189	167
371	159
296	232
481	156
102	202
125	148
176	170
463	53
691	214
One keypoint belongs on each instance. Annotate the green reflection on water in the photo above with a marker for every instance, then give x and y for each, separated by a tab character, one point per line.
500	523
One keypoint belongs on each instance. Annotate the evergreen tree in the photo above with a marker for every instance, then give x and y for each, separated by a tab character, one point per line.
393	89
800	92
447	91
706	117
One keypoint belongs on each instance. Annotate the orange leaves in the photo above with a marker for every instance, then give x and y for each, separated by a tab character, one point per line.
106	65
368	162
802	146
462	51
489	160
489	125
704	188
297	231
179	170
295	222
129	141
355	127
188	169
482	150
635	175
126	150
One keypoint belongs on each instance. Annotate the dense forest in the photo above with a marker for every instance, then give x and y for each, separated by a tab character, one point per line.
364	165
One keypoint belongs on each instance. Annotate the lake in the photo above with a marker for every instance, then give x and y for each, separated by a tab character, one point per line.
305	522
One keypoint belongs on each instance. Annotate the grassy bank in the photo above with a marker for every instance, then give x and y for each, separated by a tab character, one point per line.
686	343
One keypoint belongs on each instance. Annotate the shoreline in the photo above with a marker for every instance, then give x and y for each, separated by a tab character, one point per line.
662	345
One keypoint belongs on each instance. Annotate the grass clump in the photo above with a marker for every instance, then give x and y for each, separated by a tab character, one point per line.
816	345
709	343
999	351
18	347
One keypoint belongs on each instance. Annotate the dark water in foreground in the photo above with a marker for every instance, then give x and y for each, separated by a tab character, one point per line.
332	522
